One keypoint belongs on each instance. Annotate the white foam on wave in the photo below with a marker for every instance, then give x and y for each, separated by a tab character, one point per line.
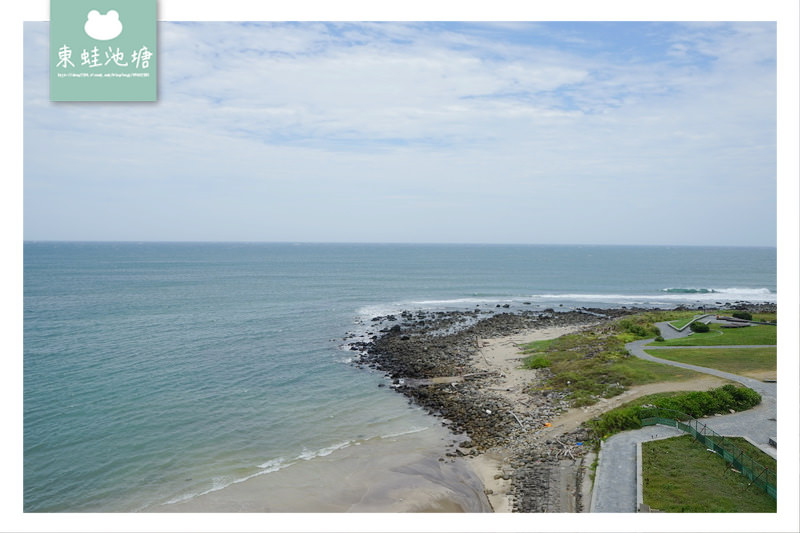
666	296
273	465
219	483
461	301
729	294
401	433
394	308
752	292
308	455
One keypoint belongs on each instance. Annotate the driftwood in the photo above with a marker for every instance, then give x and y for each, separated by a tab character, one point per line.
518	420
566	449
479	374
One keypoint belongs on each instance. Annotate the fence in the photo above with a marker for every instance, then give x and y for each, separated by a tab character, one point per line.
758	475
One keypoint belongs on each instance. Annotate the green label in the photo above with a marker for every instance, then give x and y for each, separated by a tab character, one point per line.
103	50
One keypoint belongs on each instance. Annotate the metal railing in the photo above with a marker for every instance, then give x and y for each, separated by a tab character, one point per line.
758	475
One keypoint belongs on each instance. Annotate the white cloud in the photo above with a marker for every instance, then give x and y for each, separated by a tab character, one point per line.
304	120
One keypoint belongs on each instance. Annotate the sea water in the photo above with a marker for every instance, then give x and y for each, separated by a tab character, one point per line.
216	376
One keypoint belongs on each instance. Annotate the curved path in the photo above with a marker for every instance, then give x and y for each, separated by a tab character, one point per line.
615	481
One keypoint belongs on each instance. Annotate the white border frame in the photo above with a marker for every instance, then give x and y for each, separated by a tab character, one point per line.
787	15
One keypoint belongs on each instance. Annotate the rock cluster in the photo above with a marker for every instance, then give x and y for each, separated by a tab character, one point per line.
427	355
415	349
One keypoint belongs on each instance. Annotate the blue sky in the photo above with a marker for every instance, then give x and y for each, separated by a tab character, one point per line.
574	132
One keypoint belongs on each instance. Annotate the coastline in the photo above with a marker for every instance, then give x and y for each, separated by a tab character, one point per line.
467	377
526	447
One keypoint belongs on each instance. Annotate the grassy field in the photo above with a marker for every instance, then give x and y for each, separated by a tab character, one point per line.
741	361
765	317
721	337
681	476
594	364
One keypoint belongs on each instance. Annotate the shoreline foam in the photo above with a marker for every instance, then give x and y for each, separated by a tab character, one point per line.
401	474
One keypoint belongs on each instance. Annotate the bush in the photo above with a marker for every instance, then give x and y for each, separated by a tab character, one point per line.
695	404
616	421
699	327
659	339
538	362
744	315
743	397
640	330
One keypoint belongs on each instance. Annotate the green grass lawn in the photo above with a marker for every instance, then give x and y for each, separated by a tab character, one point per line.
741	361
679	475
641	372
722	336
765	317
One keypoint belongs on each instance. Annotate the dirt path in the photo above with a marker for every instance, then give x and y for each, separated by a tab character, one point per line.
503	355
574	417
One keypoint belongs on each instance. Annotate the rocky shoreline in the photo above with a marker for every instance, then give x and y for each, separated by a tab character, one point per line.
431	357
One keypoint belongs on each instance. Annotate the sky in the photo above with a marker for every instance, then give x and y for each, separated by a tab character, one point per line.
657	133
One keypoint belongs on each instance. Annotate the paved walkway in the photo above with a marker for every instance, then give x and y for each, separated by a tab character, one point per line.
615	481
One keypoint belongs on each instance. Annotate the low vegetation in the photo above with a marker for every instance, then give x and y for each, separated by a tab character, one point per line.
695	404
699	327
680	475
594	363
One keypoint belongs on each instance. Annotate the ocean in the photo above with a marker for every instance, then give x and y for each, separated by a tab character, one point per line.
217	376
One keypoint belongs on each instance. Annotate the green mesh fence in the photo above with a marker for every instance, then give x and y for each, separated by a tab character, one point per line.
758	475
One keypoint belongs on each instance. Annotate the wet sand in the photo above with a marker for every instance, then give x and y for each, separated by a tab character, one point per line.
406	474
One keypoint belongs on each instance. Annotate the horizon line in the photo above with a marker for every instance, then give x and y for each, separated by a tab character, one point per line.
408	243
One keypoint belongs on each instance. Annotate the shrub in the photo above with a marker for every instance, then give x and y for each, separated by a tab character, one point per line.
616	421
640	330
538	362
744	315
695	404
659	339
743	397
699	327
